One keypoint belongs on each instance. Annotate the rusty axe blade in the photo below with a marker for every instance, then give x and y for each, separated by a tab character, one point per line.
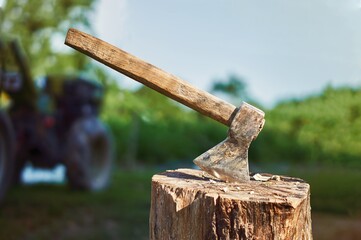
228	160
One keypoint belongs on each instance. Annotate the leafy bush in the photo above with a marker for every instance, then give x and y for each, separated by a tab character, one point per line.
323	129
319	129
150	128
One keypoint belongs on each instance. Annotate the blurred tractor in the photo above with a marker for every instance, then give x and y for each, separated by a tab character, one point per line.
55	123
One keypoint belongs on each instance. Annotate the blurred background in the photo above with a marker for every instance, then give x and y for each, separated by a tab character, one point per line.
298	61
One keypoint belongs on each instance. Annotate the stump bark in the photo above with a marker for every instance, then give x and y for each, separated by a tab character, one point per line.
187	204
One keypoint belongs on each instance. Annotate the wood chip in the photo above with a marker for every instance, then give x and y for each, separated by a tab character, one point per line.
259	177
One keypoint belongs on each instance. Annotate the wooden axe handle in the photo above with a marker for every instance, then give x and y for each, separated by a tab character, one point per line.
151	76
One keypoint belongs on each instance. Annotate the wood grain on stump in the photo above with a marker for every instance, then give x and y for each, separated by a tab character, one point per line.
185	204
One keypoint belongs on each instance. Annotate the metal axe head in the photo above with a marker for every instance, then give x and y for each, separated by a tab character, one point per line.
229	159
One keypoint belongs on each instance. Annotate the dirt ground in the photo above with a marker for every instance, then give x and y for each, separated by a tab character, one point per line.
332	227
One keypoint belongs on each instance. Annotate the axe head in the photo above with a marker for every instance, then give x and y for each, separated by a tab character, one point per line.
228	160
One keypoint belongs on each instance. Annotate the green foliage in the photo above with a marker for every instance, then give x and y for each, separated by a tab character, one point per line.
234	87
151	128
40	26
320	129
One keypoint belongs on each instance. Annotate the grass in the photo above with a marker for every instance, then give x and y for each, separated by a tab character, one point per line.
53	211
333	190
122	211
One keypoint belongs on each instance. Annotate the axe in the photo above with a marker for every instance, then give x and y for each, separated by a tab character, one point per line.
228	160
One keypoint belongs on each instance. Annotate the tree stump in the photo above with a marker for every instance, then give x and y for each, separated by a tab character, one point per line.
187	204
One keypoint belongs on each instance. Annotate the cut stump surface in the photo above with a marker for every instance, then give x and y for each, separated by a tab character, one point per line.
187	204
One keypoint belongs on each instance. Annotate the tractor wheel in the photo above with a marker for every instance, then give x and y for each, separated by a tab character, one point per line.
88	157
6	153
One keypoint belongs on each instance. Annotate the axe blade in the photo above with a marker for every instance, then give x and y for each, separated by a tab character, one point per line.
229	159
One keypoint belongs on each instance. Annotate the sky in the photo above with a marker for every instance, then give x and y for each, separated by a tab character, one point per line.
283	49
